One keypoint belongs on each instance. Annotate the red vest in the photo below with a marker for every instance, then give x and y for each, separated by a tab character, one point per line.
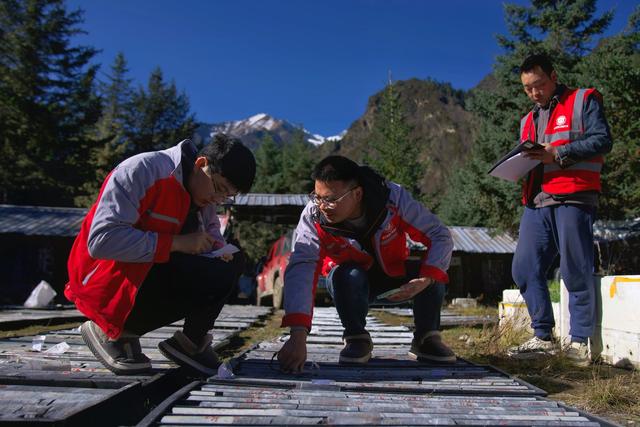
391	241
565	126
114	284
337	250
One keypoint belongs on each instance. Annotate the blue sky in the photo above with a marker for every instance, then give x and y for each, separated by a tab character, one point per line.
313	63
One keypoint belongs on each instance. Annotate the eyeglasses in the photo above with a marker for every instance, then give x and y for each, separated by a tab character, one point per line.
327	202
230	197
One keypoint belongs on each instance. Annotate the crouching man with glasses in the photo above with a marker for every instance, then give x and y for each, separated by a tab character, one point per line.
136	264
354	230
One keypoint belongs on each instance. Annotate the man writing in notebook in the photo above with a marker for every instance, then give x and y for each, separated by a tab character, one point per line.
354	229
136	264
560	197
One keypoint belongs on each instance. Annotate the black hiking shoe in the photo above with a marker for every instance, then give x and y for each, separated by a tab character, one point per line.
122	356
200	358
431	348
357	349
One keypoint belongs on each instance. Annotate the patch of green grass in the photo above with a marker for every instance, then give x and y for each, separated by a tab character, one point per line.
554	290
480	310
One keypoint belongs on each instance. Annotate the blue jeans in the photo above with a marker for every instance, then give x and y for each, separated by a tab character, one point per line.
544	233
353	289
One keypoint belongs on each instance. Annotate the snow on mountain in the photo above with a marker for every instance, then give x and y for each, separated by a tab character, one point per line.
240	128
316	139
252	130
337	137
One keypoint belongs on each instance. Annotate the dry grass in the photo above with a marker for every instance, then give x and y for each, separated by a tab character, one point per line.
617	394
599	389
37	330
265	330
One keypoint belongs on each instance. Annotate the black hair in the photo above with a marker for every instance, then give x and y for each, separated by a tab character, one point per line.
336	168
233	160
537	60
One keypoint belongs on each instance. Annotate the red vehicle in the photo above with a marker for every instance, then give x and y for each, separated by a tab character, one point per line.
271	278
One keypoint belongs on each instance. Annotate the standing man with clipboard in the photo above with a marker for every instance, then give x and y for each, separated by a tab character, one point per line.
560	197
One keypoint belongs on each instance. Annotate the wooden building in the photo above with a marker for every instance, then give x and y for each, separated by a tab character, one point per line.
35	242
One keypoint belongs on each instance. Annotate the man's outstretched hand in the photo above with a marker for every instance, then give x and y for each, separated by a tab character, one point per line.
293	353
411	289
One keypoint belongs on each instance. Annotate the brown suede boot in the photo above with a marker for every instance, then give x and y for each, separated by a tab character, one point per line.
357	349
431	348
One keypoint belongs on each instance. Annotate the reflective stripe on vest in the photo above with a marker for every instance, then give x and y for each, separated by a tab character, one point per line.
581	176
587	166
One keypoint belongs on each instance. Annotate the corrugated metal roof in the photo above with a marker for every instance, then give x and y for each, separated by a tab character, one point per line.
263	199
40	220
479	240
51	221
616	230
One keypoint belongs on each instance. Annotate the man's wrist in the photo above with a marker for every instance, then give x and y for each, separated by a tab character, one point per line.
562	157
298	331
175	244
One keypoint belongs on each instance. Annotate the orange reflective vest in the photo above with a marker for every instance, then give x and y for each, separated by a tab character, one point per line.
565	126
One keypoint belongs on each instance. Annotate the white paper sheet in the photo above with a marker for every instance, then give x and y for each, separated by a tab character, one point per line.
226	249
514	168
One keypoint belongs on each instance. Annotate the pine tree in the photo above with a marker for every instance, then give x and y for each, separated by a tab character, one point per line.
48	103
297	164
395	154
160	116
258	236
269	178
563	30
110	131
614	69
279	170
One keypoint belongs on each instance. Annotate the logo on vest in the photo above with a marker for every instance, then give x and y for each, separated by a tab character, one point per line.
389	232
561	122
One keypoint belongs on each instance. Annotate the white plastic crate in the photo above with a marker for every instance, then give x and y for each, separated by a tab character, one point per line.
512	312
617	336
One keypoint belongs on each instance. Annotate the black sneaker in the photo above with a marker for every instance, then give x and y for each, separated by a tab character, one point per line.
201	358
357	349
122	356
431	348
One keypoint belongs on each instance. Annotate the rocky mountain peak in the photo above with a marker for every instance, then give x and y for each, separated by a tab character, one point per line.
251	131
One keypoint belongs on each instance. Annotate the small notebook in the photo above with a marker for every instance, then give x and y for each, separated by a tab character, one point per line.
226	249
